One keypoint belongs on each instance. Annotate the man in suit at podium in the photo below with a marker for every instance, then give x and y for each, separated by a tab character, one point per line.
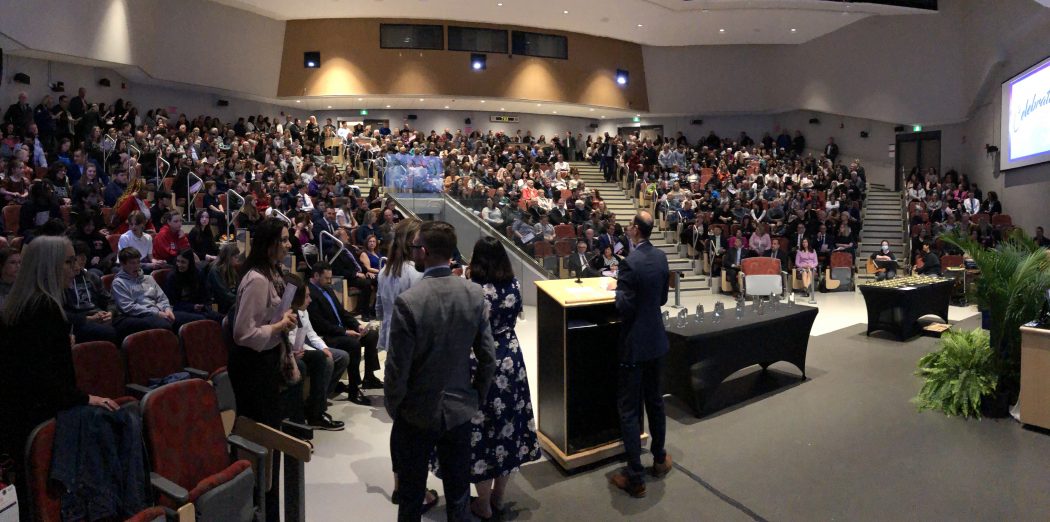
641	289
430	392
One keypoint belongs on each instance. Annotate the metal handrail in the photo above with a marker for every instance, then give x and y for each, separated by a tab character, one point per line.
190	193
507	243
132	148
107	152
280	215
320	246
229	223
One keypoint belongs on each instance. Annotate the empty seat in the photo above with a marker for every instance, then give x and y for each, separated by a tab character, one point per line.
203	344
99	369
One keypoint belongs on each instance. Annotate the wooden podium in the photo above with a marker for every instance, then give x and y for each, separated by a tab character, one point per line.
578	329
1035	366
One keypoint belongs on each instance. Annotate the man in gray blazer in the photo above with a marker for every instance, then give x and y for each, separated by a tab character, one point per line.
430	392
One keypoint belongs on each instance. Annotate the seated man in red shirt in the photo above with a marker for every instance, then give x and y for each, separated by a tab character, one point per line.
171	239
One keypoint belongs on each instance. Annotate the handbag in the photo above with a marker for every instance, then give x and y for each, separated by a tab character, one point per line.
286	359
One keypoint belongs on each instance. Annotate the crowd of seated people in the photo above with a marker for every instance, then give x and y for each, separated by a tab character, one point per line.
950	204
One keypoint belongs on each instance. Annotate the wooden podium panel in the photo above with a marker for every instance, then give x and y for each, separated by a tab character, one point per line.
1035	387
578	329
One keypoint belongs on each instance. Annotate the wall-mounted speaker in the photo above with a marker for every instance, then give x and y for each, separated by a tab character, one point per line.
698	122
593	126
814	121
863	134
58	87
467	121
899	128
104	82
411	117
223	103
21	78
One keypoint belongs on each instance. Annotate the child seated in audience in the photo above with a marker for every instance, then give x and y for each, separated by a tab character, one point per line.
141	302
137	238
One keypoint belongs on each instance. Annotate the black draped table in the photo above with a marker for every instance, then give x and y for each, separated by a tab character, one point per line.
703	355
895	305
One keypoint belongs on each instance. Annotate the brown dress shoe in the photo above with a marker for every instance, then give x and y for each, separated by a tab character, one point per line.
661	469
621	481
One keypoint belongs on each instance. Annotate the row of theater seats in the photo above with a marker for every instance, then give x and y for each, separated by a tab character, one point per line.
205	463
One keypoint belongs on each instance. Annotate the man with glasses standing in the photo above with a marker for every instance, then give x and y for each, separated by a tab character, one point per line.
435	326
641	289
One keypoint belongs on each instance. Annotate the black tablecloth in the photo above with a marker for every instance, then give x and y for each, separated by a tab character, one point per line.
898	310
703	355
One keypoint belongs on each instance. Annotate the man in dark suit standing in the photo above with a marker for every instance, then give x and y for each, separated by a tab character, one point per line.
435	327
340	330
641	289
831	150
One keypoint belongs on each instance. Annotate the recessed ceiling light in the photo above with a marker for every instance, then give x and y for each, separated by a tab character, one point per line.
637	115
502	109
329	106
794	30
721	30
482	101
387	106
421	99
592	109
446	106
564	12
555	112
359	99
539	104
640	25
298	101
603	117
499	4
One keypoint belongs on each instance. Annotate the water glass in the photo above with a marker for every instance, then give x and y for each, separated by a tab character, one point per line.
667	318
699	314
683	317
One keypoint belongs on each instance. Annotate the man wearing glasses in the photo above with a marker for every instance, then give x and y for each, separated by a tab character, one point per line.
641	289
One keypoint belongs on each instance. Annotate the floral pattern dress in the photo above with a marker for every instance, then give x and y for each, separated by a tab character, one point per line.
503	431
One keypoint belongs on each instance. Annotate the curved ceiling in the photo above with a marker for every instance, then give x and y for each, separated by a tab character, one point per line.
648	22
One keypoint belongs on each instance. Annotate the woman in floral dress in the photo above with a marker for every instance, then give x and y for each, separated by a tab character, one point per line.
504	431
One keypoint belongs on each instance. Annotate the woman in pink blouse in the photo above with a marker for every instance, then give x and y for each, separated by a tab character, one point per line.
760	242
806	263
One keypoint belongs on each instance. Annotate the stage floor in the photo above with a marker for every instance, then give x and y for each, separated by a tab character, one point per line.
846	444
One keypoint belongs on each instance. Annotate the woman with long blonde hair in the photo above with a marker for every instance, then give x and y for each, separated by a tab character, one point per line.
134	198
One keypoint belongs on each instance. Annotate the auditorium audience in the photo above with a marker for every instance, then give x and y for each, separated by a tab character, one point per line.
10	264
187	290
141	302
202	237
170	240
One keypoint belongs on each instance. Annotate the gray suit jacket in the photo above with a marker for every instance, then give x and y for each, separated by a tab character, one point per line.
433	329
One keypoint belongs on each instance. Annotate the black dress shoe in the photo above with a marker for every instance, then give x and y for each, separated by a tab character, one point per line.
326	424
340	388
372	383
356	397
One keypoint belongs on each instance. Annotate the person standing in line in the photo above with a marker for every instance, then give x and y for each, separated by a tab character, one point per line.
399	274
641	289
503	434
259	341
430	393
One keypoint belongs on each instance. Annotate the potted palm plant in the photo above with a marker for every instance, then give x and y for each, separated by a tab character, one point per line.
1014	276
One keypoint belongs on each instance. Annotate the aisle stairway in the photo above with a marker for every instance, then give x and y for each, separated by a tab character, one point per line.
618	202
882	220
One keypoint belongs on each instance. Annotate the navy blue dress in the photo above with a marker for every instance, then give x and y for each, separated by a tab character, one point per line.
503	431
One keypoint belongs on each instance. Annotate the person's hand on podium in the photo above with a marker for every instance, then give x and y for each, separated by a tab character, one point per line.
611	285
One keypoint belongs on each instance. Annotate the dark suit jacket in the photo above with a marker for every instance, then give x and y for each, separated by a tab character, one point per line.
575	267
783	258
729	259
641	289
323	318
435	326
322	226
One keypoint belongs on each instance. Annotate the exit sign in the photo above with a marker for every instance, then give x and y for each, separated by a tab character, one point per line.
916	128
364	112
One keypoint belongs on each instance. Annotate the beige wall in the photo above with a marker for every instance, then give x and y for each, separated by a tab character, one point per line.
353	64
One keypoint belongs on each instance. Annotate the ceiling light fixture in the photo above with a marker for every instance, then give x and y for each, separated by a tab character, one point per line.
564	12
482	101
794	30
446	106
499	4
478	61
387	106
721	30
640	25
421	99
298	101
622	76
329	106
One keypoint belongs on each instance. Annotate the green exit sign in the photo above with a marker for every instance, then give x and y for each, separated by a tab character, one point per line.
637	119
916	128
364	112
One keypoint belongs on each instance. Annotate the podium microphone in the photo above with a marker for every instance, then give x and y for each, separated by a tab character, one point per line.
578	280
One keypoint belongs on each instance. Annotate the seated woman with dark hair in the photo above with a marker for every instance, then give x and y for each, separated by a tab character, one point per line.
222	279
87	302
100	255
202	239
187	289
